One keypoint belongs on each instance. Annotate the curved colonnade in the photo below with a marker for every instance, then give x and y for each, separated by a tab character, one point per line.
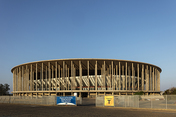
87	77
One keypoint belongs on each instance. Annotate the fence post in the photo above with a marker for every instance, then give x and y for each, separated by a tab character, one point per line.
138	100
103	100
166	101
114	100
151	102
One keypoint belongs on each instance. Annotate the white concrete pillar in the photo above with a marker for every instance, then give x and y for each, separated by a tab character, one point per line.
46	79
80	75
31	74
119	77
71	75
42	76
138	74
158	80
52	81
36	76
116	81
147	78
150	79
22	87
142	77
104	75
112	75
95	75
56	78
49	70
126	74
88	75
59	70
132	77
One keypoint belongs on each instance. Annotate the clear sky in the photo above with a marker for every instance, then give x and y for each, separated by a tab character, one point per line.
138	30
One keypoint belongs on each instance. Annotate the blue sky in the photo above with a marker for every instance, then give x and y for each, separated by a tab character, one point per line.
138	30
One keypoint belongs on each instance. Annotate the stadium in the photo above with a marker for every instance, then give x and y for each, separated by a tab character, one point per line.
85	78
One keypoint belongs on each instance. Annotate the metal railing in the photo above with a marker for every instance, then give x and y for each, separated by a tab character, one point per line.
41	100
137	101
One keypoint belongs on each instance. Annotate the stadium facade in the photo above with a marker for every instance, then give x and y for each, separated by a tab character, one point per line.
85	77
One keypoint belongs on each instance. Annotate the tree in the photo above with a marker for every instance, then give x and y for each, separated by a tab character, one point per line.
139	93
170	91
4	89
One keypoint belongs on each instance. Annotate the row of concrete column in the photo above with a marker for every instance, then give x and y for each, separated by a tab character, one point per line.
56	76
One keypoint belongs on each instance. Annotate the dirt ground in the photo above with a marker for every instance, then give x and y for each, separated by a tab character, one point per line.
85	110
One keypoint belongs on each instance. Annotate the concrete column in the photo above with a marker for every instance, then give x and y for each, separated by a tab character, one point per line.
153	78
101	78
132	77
95	75
56	78
71	75
112	75
88	75
31	78
119	77
104	75
147	78
63	75
61	80
49	70
17	80
36	77
142	77
13	82
42	76
158	80
134	80
129	81
123	79
59	77
52	82
33	81
46	79
79	94
150	81
68	79
126	74
110	79
138	74
27	78
22	78
116	77
74	74
15	77
80	75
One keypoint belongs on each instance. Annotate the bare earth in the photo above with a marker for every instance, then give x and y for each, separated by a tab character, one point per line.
85	110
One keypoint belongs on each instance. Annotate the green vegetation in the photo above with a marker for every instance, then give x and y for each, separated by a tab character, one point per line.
139	93
4	89
171	91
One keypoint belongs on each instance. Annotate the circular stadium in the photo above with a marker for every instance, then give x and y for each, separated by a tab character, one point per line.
87	77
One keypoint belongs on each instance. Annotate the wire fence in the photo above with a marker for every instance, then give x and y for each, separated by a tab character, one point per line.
39	100
137	101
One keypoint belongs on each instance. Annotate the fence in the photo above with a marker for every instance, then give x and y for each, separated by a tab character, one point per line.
42	100
136	101
78	100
